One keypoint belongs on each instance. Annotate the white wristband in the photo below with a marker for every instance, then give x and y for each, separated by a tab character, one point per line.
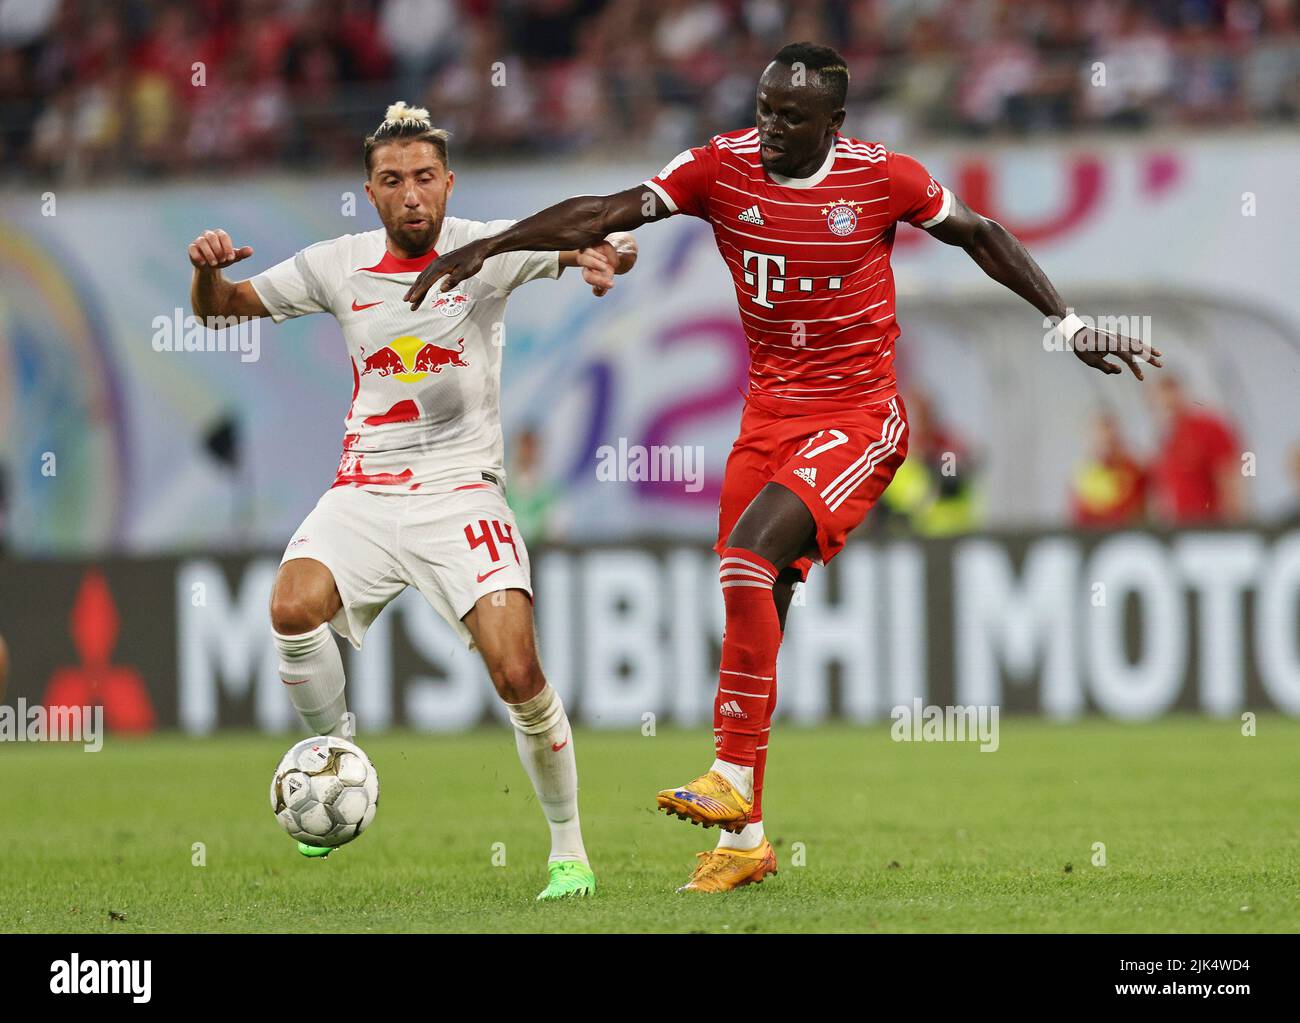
1069	326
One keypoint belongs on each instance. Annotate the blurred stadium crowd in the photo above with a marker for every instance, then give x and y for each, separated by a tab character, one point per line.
90	88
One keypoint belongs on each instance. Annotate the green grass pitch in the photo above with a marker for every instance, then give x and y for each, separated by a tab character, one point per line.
1201	828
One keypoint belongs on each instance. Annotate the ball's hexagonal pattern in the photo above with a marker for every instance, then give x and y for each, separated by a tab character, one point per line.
352	769
315	820
325	788
351	805
325	791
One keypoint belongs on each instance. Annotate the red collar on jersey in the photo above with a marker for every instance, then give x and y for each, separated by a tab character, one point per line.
391	264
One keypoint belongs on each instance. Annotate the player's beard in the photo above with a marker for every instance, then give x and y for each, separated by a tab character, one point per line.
416	241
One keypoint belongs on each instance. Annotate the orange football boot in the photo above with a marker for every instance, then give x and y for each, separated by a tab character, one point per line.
721	870
710	799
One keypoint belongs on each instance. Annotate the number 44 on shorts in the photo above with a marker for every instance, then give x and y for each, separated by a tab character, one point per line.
492	532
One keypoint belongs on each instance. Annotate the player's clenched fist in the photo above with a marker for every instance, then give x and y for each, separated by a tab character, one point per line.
213	249
600	262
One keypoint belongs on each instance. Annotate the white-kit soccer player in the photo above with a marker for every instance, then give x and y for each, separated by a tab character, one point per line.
419	497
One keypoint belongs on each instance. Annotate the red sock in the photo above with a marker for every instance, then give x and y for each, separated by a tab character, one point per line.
760	758
750	641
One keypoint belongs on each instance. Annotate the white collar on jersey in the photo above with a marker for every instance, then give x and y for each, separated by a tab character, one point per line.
809	182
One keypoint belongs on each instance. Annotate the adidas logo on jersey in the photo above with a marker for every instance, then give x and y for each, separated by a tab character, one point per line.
752	216
807	473
732	710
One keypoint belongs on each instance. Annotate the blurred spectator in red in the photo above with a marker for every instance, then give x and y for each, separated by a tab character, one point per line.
1196	475
361	34
237	119
1110	486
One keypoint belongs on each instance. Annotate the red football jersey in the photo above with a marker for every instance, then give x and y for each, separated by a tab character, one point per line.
1197	448
810	261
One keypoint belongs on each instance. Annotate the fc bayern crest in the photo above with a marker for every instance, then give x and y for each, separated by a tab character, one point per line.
842	216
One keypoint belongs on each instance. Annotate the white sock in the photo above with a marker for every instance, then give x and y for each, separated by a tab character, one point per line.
545	746
312	670
750	838
739	776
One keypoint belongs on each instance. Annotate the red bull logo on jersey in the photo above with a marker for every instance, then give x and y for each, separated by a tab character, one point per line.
410	359
842	216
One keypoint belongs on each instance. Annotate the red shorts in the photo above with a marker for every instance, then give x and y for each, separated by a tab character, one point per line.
837	463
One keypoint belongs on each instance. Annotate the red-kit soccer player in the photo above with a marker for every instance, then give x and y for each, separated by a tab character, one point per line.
805	219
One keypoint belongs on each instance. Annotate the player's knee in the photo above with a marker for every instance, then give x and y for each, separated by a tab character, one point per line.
293	612
517	678
755	541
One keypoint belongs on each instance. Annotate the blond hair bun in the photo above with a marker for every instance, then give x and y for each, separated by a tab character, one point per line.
400	113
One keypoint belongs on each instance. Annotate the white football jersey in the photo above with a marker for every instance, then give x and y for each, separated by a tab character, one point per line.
426	385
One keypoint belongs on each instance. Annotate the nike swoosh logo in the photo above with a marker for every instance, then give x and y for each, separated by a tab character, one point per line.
300	681
493	572
556	747
357	308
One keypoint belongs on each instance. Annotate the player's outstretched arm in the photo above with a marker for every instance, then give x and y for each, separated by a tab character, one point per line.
210	293
1001	255
577	223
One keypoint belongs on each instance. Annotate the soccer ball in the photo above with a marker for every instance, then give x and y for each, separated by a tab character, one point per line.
325	791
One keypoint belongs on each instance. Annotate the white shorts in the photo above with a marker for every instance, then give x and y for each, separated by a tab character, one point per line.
454	548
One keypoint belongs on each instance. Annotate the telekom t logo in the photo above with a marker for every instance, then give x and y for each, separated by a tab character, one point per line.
762	275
